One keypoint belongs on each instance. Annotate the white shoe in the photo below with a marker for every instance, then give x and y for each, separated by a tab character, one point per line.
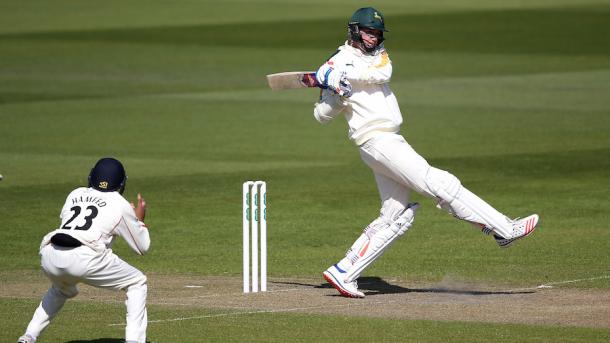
336	277
521	228
26	339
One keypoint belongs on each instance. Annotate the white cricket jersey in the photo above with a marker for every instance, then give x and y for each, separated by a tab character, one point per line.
372	108
96	218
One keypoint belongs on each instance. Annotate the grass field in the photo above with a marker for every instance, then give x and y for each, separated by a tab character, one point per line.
513	97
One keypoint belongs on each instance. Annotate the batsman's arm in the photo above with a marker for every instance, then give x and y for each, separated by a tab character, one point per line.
329	106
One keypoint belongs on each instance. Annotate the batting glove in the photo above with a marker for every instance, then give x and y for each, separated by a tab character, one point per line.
322	75
345	88
334	79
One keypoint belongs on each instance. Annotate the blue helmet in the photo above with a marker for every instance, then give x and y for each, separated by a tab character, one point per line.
108	175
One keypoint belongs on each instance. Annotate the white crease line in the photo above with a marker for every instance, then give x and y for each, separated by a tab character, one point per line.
550	284
228	294
304	288
218	295
257	312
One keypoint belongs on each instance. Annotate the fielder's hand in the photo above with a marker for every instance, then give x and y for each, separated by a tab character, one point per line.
140	210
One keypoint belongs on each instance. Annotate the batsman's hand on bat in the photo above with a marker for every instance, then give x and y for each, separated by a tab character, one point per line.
140	209
345	88
334	79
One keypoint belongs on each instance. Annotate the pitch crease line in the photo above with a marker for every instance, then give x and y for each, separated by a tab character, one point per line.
304	288
551	284
573	281
254	312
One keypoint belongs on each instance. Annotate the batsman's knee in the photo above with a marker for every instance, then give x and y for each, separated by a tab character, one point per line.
448	191
405	219
443	185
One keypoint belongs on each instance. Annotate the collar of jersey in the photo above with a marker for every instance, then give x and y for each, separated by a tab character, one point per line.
359	52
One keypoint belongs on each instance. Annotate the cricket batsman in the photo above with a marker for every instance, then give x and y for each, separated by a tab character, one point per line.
80	250
355	82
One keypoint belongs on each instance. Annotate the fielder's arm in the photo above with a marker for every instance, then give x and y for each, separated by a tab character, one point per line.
140	210
132	228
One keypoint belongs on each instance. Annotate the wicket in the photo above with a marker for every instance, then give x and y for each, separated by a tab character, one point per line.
254	212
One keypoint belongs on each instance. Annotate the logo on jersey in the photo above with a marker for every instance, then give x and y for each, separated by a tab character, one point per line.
103	185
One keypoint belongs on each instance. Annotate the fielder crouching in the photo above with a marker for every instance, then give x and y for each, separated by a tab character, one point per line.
355	83
80	250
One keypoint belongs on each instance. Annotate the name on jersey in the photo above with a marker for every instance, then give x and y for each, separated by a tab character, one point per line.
89	199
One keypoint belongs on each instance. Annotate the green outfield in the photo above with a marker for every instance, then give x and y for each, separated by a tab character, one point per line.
512	97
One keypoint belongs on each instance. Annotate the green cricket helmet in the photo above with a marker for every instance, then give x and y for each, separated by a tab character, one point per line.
367	17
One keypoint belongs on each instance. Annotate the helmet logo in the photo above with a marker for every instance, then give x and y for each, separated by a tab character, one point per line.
377	16
103	184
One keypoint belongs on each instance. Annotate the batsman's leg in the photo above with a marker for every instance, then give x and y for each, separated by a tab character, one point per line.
374	240
394	200
336	274
406	166
463	204
380	239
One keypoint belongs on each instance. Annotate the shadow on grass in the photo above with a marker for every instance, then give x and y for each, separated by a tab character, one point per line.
376	285
101	340
373	285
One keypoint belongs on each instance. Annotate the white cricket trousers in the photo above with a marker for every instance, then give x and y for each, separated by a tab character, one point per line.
66	267
398	169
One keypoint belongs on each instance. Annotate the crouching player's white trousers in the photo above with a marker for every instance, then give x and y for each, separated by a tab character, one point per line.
66	267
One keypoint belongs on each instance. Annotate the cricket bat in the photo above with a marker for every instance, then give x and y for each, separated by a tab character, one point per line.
292	80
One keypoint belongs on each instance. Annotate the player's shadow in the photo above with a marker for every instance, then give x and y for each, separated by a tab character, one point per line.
101	340
375	285
372	285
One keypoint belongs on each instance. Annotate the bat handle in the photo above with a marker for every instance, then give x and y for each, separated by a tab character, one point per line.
310	80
